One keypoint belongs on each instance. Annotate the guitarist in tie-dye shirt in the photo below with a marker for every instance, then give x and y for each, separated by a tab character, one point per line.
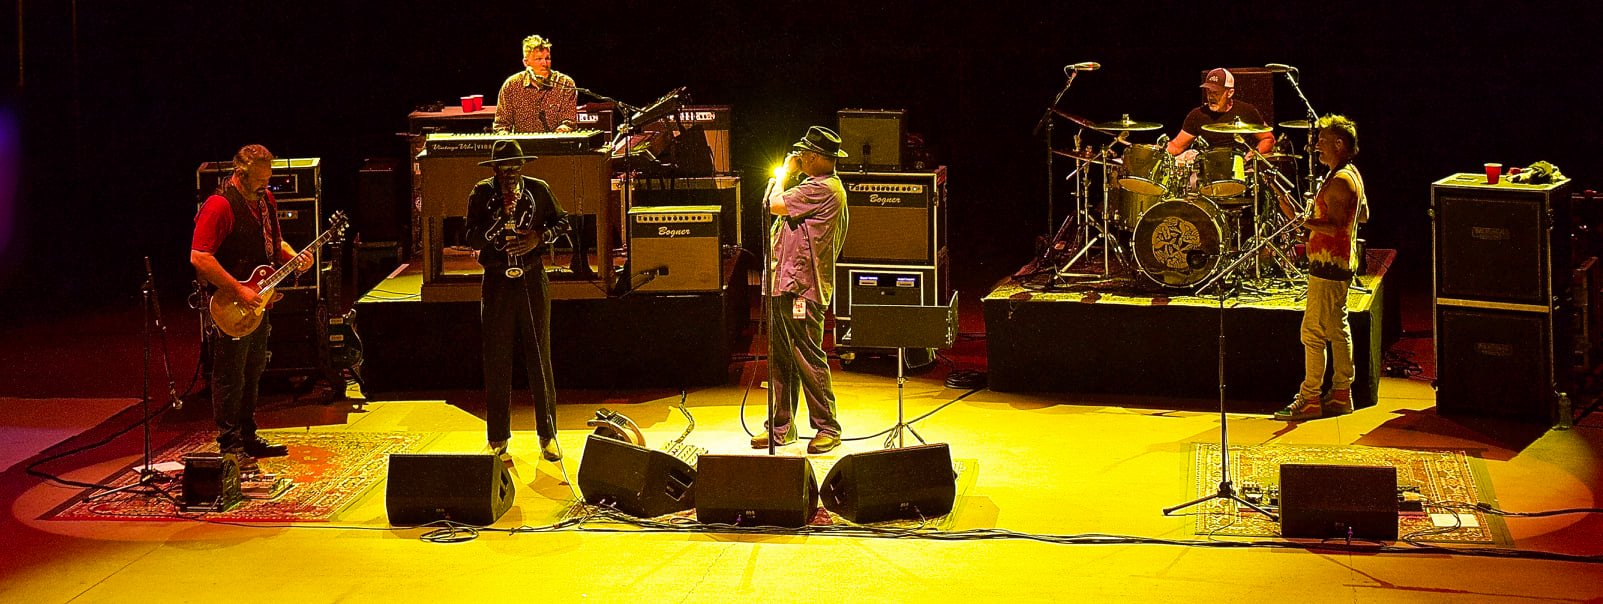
1332	228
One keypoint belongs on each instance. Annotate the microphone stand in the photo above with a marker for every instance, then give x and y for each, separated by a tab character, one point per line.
1046	121
1313	121
148	477
768	302
1227	489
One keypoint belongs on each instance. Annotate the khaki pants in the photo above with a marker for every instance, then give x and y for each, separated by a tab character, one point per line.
1325	323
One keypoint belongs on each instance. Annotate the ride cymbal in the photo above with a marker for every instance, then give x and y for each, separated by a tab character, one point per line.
1236	127
1125	124
1296	124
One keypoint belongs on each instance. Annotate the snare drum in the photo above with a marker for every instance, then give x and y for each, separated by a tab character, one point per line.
1148	169
1221	172
1178	243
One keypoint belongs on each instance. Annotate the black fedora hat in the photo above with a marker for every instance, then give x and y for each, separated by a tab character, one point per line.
822	141
506	151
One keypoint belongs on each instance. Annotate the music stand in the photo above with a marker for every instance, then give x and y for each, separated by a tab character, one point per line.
903	327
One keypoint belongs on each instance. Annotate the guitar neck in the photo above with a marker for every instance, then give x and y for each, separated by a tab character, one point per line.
283	271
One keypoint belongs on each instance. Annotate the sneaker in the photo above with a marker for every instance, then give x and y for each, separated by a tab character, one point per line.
256	447
1338	402
1300	409
760	441
824	442
244	461
549	450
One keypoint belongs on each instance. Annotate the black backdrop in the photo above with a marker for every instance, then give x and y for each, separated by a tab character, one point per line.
120	101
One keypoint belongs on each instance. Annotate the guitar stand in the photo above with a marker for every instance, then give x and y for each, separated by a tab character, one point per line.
904	327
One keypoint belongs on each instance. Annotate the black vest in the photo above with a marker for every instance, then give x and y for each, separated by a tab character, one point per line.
244	248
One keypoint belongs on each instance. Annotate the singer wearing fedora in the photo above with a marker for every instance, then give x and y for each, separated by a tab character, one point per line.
537	99
507	216
806	236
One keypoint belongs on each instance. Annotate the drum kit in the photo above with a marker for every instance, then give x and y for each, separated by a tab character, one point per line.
1179	221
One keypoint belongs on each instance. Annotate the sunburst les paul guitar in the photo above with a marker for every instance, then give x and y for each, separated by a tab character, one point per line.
238	319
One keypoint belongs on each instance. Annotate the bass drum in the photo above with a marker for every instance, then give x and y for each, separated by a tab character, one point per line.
1177	243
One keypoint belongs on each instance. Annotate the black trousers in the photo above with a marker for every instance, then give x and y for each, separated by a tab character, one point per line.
237	366
516	314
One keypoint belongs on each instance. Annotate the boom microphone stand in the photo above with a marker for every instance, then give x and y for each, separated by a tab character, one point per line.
148	477
1227	489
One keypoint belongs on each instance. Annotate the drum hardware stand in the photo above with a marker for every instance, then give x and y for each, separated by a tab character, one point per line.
1227	489
148	477
1104	234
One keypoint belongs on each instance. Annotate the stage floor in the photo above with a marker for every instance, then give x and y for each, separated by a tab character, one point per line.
1046	464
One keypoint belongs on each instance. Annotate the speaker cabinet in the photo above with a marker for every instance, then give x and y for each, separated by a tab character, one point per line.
913	482
382	212
635	480
474	489
755	490
1497	243
1495	363
735	221
871	138
1328	501
677	244
894	218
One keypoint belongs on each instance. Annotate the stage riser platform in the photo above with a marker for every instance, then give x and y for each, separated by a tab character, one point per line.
1162	351
637	341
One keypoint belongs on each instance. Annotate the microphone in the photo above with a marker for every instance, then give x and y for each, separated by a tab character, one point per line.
1280	68
1085	66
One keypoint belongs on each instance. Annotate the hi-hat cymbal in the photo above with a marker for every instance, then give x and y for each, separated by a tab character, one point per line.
1296	124
1236	127
1125	124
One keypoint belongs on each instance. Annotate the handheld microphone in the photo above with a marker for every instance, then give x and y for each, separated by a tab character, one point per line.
1084	66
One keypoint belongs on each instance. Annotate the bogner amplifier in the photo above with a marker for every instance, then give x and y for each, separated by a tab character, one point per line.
895	218
675	249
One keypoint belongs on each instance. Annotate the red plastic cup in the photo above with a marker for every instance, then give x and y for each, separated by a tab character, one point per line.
467	106
478	102
1492	172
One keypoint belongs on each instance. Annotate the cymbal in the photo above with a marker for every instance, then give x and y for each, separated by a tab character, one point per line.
1125	124
1075	118
1296	124
1236	127
1281	156
1089	157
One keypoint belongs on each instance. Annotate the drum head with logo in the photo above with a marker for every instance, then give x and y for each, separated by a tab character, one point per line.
1177	243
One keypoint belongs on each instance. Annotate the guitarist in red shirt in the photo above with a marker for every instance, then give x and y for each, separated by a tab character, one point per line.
236	231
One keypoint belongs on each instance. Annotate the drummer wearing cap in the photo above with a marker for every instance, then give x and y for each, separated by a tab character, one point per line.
806	237
1222	107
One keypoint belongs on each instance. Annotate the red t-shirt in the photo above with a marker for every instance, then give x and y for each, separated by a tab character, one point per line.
216	220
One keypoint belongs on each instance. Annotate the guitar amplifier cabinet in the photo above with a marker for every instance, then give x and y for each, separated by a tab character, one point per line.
294	346
720	191
895	217
677	244
871	138
1500	243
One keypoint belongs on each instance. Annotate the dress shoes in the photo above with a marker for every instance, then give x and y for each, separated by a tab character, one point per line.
824	442
549	450
256	447
760	441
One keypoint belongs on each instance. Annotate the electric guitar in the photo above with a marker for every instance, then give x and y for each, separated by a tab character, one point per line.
238	319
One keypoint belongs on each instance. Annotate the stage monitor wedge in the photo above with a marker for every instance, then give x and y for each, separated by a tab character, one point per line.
912	483
635	480
1320	501
755	490
474	489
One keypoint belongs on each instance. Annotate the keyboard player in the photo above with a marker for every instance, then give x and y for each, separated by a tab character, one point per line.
537	99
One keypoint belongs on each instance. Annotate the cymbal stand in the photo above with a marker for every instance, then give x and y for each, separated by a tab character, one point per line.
1268	176
1104	237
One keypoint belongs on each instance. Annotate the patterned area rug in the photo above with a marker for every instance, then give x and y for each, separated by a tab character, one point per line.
327	471
1440	475
967	470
